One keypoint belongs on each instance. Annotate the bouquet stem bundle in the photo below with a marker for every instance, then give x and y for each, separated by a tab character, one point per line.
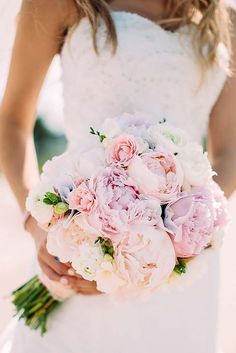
34	303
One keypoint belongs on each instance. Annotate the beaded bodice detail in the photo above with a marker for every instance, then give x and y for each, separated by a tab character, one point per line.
153	70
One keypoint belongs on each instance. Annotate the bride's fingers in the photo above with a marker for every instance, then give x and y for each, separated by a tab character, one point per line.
57	266
72	272
48	271
84	287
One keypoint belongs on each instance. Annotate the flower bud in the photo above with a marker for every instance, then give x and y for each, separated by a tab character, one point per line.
108	258
61	208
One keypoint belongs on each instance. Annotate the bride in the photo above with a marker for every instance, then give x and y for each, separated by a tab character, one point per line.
122	56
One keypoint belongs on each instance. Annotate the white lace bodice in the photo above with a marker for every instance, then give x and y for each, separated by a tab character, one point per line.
154	71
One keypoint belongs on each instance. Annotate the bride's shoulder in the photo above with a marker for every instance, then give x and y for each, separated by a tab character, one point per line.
64	13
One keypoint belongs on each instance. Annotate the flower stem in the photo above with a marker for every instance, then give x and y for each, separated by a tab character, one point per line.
34	303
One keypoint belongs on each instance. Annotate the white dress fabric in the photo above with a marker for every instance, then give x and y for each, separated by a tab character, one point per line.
154	71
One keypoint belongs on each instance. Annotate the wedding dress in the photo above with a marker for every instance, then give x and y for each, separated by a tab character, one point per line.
153	70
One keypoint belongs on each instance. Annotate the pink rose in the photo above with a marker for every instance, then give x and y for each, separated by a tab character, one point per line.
190	221
121	150
144	260
115	195
82	199
158	174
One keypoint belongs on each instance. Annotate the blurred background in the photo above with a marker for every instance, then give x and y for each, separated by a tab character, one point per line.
16	249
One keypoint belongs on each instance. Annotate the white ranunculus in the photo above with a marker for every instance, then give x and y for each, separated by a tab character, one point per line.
196	165
87	259
34	203
173	139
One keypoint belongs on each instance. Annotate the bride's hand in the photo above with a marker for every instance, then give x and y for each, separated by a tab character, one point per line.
55	270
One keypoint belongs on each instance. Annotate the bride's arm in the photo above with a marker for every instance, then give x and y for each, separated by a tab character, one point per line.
222	129
41	28
39	37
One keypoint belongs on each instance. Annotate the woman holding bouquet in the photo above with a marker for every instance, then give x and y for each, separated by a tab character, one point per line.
167	59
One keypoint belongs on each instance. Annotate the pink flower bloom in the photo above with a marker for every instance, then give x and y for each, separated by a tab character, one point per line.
81	198
63	241
144	260
220	206
144	213
115	194
190	221
121	150
158	174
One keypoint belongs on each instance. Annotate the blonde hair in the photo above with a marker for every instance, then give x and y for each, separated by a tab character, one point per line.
211	18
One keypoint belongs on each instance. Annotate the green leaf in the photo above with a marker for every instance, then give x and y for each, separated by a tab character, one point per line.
92	131
106	246
102	138
51	197
180	267
47	201
99	240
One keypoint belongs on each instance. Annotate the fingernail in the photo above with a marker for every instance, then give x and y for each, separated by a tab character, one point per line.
71	272
64	281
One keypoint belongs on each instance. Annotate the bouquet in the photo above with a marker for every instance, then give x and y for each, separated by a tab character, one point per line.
132	211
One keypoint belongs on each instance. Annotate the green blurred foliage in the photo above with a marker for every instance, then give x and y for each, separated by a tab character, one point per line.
47	142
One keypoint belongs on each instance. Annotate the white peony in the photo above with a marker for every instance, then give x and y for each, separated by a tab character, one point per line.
34	203
87	259
91	161
196	165
173	139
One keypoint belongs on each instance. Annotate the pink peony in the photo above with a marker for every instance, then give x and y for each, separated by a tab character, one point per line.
115	194
121	150
144	213
81	198
145	258
190	220
158	174
220	206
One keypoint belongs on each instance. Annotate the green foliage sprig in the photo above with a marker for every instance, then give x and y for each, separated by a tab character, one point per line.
51	198
97	133
106	246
